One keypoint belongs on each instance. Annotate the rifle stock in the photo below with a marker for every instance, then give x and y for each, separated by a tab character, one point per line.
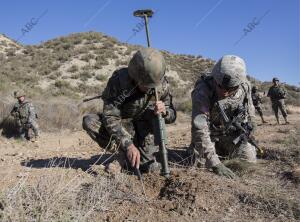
244	135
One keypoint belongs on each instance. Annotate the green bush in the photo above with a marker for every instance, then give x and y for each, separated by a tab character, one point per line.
72	69
55	75
85	75
87	57
101	77
185	106
62	84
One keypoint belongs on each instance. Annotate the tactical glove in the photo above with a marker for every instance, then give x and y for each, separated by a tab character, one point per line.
222	170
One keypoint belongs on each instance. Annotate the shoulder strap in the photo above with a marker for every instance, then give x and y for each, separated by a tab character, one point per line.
137	115
23	104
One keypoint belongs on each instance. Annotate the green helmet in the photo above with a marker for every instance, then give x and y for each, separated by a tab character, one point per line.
275	79
229	71
19	93
147	67
254	88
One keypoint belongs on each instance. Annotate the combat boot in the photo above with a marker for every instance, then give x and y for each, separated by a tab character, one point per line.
262	119
34	139
286	121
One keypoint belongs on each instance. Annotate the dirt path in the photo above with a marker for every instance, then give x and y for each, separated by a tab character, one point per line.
265	192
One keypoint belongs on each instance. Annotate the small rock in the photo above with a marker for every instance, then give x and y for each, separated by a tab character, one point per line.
113	167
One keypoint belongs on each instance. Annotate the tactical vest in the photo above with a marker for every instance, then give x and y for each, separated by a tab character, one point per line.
215	117
23	111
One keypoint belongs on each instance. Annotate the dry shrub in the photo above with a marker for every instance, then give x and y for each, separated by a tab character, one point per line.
293	109
269	201
58	116
61	197
240	167
51	115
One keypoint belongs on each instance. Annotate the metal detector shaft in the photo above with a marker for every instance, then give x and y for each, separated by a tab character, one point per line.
161	122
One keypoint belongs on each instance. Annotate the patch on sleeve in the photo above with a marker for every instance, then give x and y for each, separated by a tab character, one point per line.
200	121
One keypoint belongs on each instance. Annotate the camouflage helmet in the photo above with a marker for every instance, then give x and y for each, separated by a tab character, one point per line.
19	93
147	67
254	88
275	79
229	71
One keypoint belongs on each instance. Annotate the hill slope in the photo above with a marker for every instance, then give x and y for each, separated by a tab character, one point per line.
69	68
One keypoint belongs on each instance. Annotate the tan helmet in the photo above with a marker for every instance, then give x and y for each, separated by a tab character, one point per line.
147	67
19	93
229	71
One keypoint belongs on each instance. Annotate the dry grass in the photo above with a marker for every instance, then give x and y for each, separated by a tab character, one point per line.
52	115
61	197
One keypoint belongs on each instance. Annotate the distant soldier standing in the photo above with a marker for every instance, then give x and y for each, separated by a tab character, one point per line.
25	116
256	99
277	95
129	112
228	87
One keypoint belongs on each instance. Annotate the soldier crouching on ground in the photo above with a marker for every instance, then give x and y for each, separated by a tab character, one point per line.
25	117
130	109
256	99
227	86
277	95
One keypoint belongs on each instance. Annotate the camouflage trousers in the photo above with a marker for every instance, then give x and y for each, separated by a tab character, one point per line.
24	129
142	138
279	104
259	110
225	149
243	150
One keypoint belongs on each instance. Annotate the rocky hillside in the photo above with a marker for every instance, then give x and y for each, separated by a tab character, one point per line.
80	64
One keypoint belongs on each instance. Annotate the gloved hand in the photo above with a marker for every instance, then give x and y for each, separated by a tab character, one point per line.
222	170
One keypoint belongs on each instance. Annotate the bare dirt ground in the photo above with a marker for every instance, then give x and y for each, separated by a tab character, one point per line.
61	178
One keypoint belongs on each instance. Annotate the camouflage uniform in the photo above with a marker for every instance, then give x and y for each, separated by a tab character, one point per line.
209	140
26	118
256	99
277	95
207	124
128	117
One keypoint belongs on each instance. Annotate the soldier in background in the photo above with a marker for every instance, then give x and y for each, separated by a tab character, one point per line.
25	116
277	95
226	85
256	99
129	112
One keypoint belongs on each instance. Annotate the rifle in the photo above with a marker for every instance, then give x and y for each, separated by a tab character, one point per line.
91	98
243	129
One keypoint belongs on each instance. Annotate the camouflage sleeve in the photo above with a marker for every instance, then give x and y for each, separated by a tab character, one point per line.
166	97
200	126
259	98
284	92
112	114
14	111
251	109
32	113
269	92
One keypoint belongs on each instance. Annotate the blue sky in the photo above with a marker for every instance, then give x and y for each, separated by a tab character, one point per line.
211	28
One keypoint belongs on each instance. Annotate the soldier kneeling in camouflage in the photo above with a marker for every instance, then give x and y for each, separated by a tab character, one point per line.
256	99
25	116
225	87
130	109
